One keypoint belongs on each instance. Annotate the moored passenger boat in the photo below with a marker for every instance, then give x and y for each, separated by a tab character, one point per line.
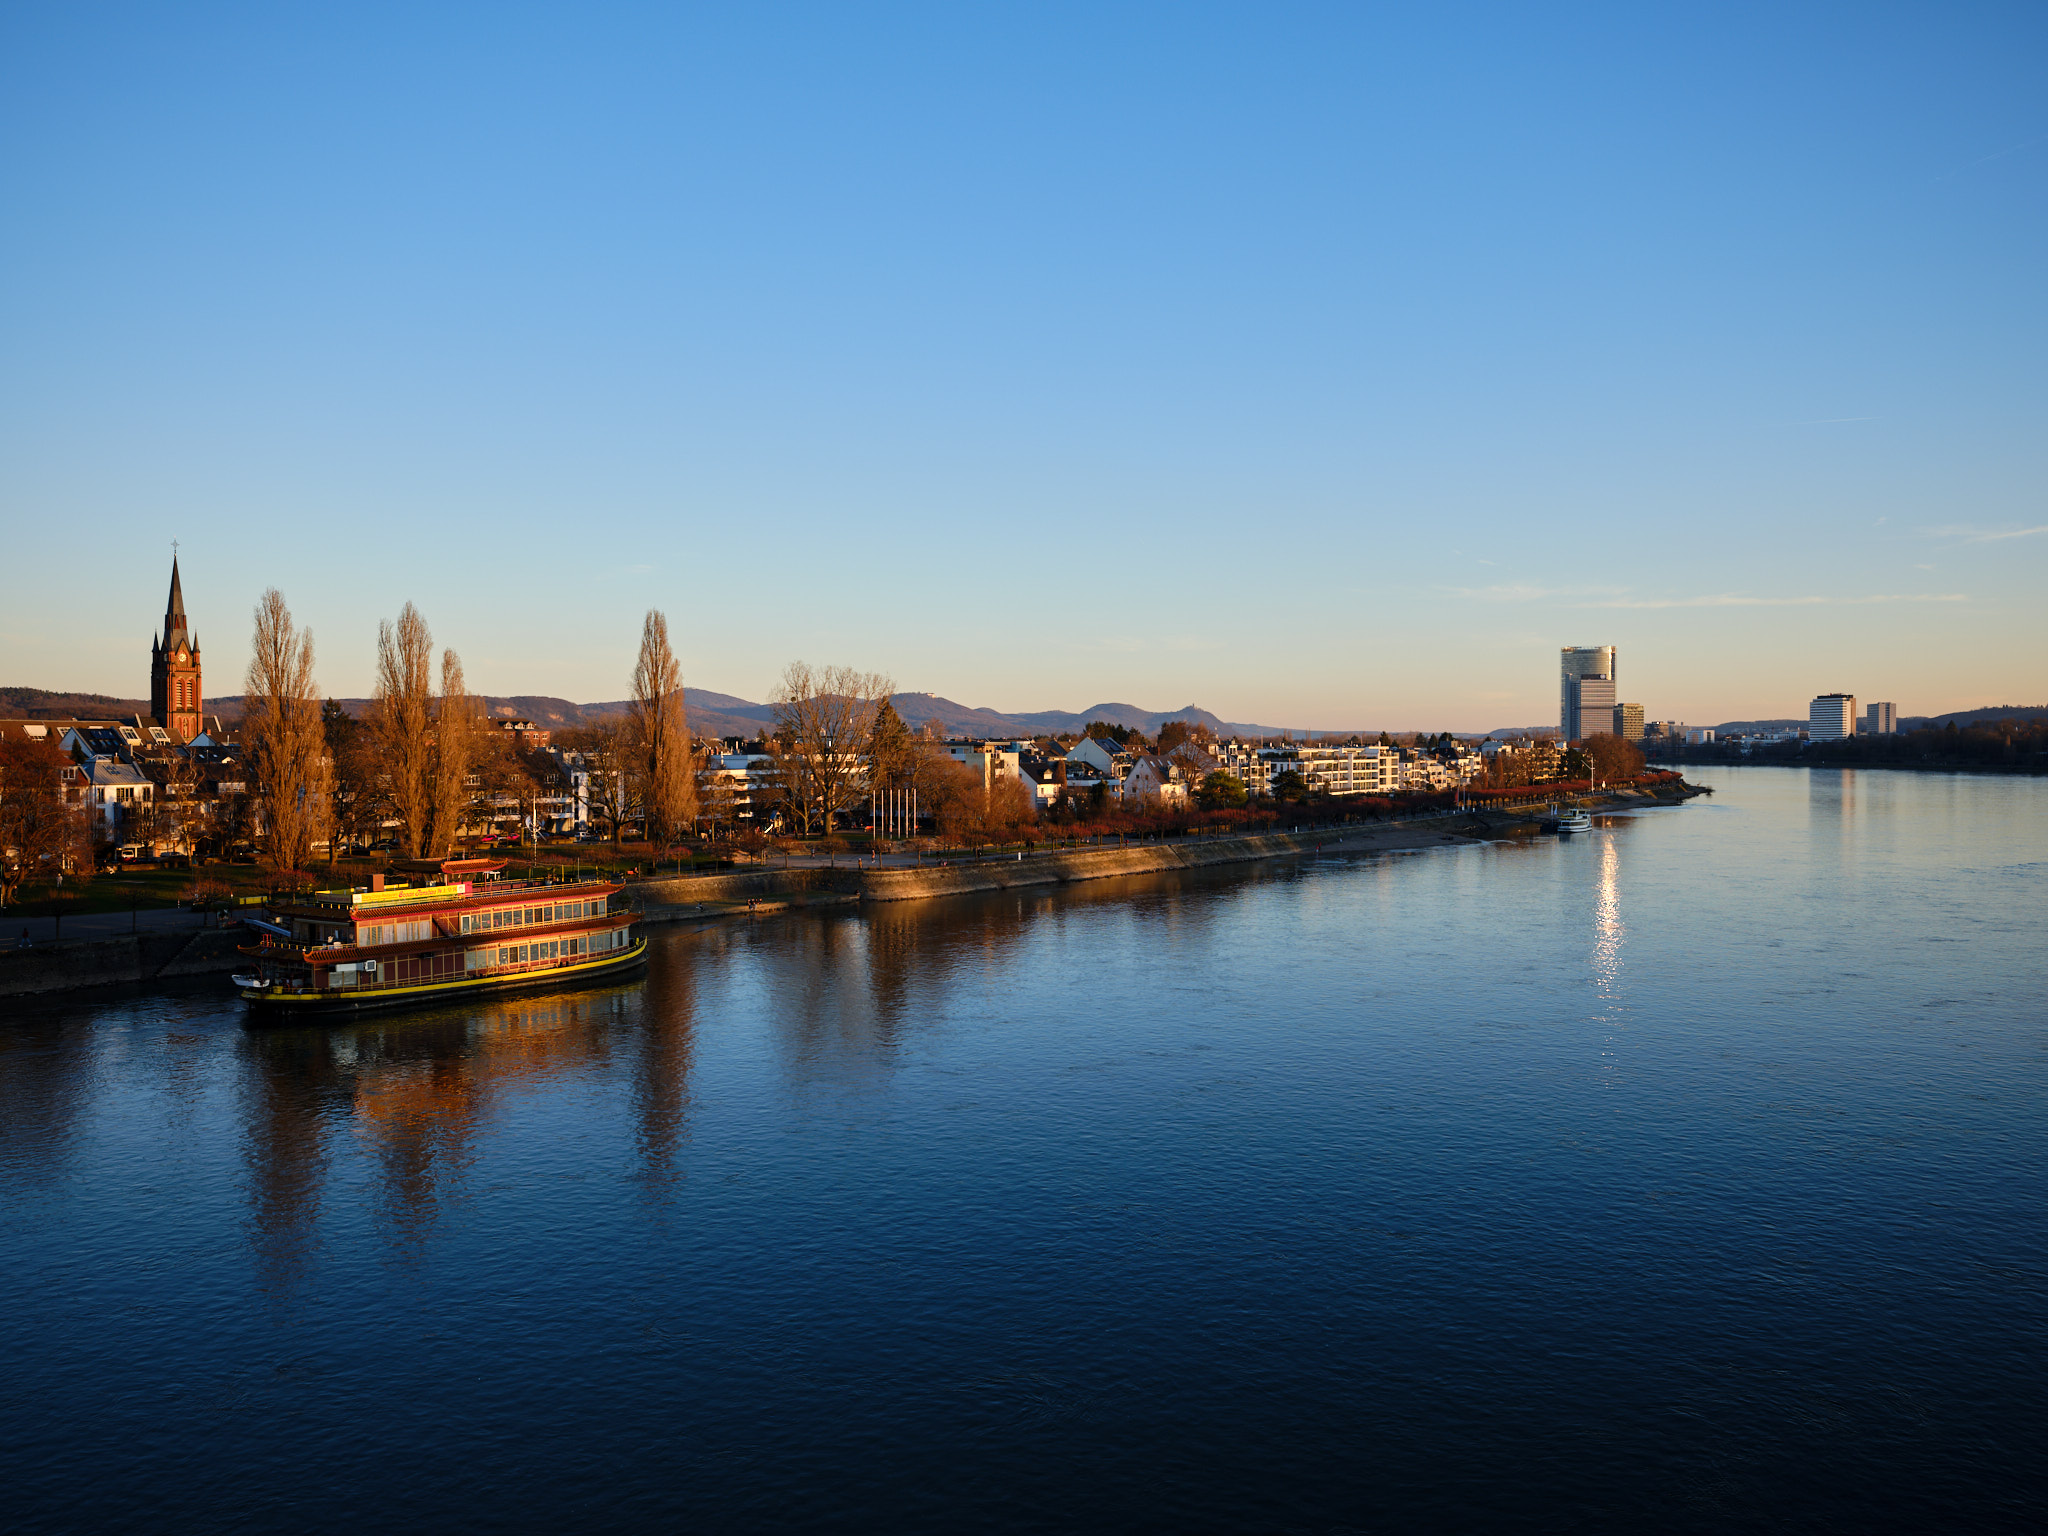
461	929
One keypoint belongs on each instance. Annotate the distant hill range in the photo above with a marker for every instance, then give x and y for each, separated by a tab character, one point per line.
721	714
42	704
1963	717
711	714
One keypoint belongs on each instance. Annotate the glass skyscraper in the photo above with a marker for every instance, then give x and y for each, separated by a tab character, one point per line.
1586	691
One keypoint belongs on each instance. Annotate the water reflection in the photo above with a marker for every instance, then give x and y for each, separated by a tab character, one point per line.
1608	930
839	1003
849	992
284	1150
45	1068
664	1054
1831	794
1180	1190
420	1091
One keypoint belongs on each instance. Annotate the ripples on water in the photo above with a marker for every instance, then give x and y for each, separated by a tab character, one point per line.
1687	1175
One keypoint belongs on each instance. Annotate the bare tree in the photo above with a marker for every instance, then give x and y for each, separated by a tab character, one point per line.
529	780
402	720
458	729
788	790
357	792
609	789
429	743
42	833
971	809
177	799
1613	758
288	749
824	729
663	756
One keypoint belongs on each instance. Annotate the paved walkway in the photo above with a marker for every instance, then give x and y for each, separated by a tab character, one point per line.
1331	832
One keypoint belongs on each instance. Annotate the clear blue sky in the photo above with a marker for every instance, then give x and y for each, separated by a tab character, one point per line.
1326	366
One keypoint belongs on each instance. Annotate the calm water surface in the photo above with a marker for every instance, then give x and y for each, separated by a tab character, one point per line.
1688	1175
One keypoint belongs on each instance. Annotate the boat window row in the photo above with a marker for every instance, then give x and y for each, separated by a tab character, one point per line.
394	933
560	949
527	917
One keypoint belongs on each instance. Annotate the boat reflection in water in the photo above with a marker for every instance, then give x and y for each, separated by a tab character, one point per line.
423	1089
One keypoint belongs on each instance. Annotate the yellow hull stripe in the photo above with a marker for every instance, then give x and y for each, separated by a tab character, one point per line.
437	988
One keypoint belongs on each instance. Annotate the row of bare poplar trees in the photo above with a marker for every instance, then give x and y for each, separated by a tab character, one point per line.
429	741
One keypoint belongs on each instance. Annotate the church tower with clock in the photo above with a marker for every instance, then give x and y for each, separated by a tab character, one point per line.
174	696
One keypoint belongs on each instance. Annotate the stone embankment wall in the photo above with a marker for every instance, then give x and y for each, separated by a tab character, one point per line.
752	885
1080	864
102	962
677	896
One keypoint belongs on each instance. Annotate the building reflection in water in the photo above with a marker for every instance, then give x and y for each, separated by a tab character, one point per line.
420	1093
420	1090
1608	930
831	1030
1831	793
850	992
664	1052
285	1147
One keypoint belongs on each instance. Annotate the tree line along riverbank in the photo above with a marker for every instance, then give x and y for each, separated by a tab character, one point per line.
162	954
1989	746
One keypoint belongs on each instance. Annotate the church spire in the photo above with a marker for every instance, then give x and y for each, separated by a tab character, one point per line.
174	610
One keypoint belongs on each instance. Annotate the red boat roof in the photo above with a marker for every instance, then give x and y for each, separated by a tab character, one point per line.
452	868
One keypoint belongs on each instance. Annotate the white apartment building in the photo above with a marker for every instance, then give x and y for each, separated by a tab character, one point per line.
1881	720
115	790
1105	757
739	786
1425	770
1152	777
1831	717
993	760
1342	770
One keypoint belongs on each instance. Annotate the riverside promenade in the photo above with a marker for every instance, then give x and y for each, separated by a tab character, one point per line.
819	882
116	948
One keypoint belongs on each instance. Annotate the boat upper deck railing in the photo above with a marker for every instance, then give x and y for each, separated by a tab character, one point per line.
413	895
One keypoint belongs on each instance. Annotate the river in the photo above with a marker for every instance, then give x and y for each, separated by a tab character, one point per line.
1688	1174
